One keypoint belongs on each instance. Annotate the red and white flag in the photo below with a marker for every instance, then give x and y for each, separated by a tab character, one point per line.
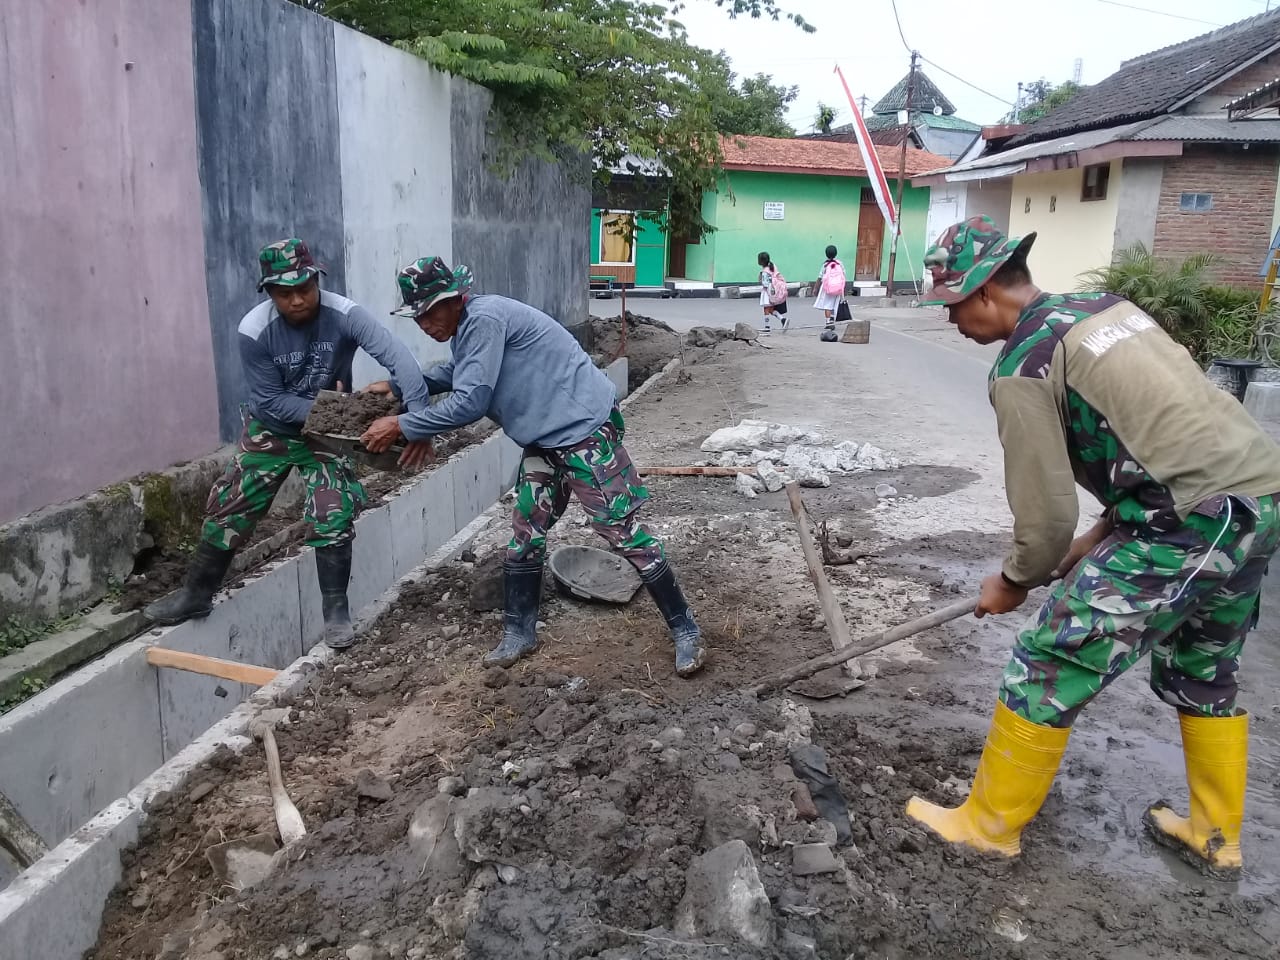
870	159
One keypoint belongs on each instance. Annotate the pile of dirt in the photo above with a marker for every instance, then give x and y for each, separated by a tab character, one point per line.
651	344
348	414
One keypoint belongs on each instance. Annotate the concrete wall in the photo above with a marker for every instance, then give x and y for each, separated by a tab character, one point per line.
267	114
1073	235
525	235
1137	202
104	319
397	178
819	210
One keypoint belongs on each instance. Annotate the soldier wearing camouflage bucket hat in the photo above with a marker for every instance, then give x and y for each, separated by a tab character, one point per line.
522	369
1088	389
300	340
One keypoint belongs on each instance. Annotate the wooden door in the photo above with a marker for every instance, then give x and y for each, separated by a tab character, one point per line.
679	257
870	239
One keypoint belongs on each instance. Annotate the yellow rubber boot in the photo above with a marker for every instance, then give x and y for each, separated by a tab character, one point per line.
1217	756
1014	775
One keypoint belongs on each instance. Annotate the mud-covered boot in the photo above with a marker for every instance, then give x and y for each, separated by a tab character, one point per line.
691	653
195	597
522	591
333	571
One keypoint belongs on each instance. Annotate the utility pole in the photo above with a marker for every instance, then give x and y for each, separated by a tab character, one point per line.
862	103
1017	105
902	170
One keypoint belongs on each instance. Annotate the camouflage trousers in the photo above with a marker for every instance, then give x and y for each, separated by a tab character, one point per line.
599	472
1188	596
243	494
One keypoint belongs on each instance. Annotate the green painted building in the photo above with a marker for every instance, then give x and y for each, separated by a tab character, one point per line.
792	198
628	246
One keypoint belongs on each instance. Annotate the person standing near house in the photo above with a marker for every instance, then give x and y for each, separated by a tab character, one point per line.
773	292
297	342
1089	389
831	284
526	372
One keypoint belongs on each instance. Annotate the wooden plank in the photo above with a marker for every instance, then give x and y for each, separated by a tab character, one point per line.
211	666
16	836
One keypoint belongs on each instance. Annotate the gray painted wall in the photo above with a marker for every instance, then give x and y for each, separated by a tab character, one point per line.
525	236
268	139
1138	202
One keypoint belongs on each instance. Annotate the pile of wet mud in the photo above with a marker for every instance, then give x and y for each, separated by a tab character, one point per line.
650	346
348	414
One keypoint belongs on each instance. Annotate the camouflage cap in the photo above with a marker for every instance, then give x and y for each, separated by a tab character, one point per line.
966	256
428	281
286	263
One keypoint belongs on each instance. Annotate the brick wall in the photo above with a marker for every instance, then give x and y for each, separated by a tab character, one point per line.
1238	228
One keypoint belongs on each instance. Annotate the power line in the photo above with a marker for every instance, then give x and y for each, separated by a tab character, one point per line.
898	20
1160	13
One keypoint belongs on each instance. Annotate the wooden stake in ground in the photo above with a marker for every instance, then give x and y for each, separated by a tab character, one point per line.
837	628
782	678
17	838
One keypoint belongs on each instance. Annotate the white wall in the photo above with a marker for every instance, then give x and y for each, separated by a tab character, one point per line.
397	178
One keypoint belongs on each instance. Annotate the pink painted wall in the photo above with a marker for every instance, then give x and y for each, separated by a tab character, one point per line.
104	316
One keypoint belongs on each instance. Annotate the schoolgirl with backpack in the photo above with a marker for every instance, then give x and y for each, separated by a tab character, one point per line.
773	292
831	284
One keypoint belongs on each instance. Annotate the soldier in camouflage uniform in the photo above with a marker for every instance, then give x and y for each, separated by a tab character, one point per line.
523	370
1088	389
297	342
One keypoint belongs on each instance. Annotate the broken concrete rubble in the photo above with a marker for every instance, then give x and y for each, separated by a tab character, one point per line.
725	898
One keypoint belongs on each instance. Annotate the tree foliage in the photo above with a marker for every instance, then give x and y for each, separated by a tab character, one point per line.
754	107
605	78
824	118
1041	98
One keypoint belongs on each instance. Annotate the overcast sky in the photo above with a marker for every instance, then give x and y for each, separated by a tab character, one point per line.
991	44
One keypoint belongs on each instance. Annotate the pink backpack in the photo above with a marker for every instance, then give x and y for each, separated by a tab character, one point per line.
777	288
833	279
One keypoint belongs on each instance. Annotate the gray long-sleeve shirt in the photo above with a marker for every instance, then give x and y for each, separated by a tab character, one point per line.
521	369
287	366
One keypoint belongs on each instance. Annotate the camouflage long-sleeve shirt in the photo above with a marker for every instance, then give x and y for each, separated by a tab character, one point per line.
1089	389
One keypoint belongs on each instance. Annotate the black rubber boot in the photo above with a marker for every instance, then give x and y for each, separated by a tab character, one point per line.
333	571
691	654
522	592
195	597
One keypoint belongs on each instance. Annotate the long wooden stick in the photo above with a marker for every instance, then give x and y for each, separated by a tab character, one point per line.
837	628
16	836
695	471
288	819
211	666
865	645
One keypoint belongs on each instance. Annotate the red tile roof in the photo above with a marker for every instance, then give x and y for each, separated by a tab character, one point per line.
768	154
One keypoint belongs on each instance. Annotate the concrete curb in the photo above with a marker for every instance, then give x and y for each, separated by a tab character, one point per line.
98	630
53	909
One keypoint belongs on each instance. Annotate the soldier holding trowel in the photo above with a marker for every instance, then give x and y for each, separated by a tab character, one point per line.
522	369
1088	389
299	341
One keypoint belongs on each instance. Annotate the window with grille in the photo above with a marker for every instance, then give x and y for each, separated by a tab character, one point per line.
1195	202
1095	182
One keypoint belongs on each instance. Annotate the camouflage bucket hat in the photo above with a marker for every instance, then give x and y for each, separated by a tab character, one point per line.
428	281
966	256
286	263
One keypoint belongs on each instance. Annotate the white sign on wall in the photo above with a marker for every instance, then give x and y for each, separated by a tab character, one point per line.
774	210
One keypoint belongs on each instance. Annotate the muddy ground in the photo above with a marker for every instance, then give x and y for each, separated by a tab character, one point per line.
650	344
598	778
348	414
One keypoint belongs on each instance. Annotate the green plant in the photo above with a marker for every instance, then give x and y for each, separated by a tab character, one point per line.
29	687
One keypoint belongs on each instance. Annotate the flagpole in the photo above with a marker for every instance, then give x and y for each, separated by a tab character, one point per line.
902	172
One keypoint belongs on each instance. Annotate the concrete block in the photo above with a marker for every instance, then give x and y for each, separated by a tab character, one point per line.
1262	400
510	454
309	616
259	623
71	750
372	561
617	374
475	482
53	910
422	518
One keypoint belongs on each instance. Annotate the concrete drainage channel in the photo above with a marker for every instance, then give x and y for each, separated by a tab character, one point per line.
83	759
